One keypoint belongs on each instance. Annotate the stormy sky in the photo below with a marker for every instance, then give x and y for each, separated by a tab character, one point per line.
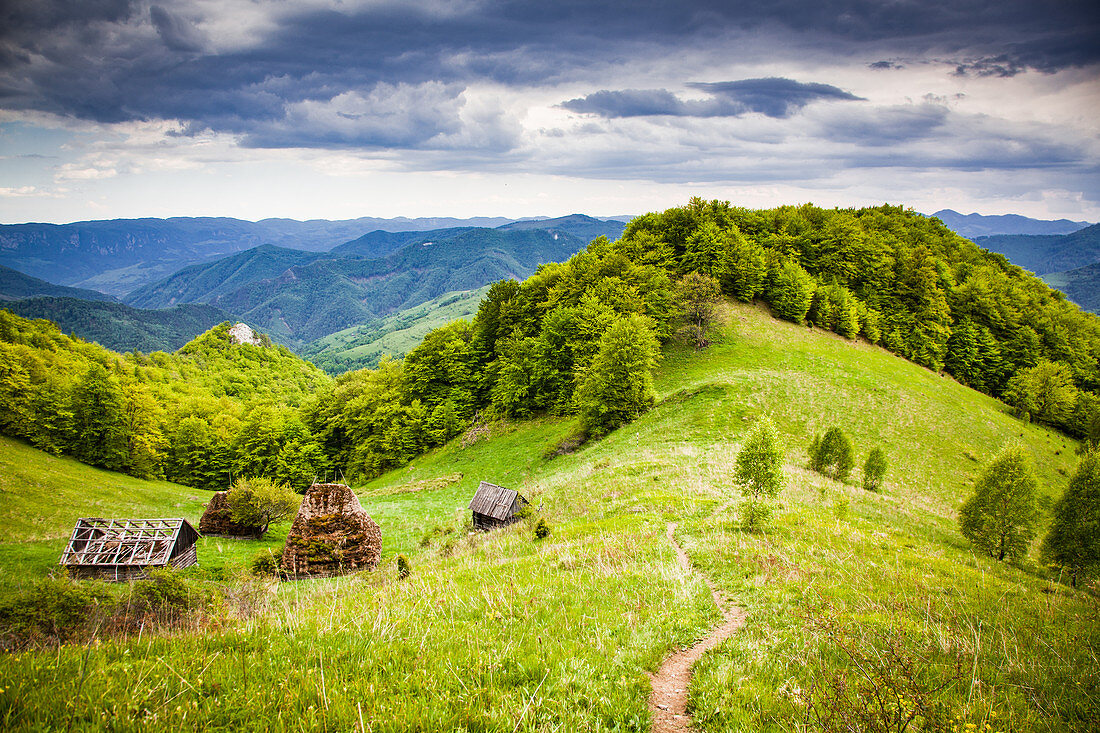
337	109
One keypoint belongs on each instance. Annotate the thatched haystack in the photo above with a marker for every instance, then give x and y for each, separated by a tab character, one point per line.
331	535
217	520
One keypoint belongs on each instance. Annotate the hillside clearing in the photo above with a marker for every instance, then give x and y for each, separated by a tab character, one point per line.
498	631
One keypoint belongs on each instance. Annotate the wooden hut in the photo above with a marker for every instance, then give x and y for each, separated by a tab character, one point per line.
332	534
495	506
124	549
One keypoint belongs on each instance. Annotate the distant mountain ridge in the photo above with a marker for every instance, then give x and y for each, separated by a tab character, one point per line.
299	296
979	225
122	255
1044	254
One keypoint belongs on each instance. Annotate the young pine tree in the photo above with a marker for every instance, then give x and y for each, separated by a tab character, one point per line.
874	469
759	474
1073	541
831	454
999	518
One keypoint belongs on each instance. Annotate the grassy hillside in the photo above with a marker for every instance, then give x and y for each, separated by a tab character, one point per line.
849	593
396	335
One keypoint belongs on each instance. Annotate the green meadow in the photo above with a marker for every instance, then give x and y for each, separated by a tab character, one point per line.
866	611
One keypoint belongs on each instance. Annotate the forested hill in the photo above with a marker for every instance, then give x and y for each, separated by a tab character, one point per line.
578	338
14	285
298	297
119	327
213	409
1044	254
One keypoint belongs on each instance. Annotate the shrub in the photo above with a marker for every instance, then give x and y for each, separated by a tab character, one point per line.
264	563
874	469
831	454
1073	541
56	609
542	529
999	518
759	473
404	570
165	593
260	502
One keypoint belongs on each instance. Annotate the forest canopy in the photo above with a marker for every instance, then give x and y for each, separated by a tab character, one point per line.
575	338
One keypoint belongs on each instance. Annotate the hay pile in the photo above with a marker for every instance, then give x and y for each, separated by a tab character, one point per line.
217	520
331	535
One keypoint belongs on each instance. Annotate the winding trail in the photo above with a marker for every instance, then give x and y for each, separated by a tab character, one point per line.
668	701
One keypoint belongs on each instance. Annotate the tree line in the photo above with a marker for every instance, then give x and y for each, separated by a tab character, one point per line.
580	338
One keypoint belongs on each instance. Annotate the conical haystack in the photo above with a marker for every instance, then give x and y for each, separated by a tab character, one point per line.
331	535
217	520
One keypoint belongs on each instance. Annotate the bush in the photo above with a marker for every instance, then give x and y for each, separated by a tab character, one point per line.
55	609
542	529
831	454
404	570
259	502
874	469
165	593
264	563
1000	517
1073	542
759	473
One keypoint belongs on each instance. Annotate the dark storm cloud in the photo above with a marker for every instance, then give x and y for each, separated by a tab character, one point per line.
772	97
177	33
114	60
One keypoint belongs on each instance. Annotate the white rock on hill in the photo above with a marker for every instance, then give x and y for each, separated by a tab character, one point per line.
242	334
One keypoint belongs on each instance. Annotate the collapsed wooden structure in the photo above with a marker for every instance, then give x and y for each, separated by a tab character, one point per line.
331	535
124	549
495	506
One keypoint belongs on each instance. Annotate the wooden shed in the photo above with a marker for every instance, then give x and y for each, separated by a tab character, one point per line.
124	549
495	506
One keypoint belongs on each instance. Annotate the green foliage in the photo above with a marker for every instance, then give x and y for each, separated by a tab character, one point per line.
759	473
618	386
874	469
166	593
542	529
264	563
697	297
1000	516
831	454
98	433
1073	541
260	502
1045	391
791	292
54	608
404	570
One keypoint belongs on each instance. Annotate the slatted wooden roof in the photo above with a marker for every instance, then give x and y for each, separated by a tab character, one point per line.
127	542
493	501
